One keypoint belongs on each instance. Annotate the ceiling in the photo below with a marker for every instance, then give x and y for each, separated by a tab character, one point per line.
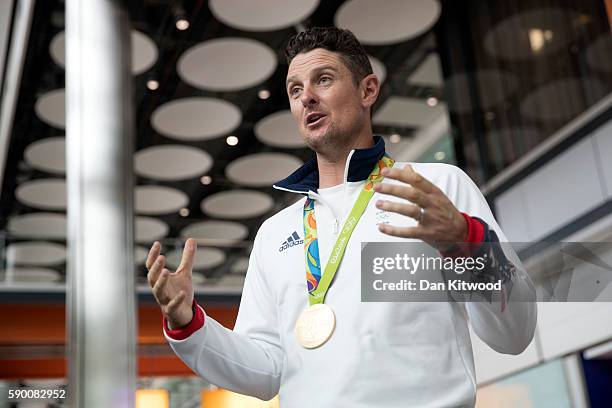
214	131
213	127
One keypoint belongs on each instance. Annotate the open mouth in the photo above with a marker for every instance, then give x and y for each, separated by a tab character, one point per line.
314	119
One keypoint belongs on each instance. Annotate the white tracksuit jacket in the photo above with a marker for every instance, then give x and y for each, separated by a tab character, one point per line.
380	354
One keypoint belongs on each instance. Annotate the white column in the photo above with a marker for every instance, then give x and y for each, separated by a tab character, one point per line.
100	292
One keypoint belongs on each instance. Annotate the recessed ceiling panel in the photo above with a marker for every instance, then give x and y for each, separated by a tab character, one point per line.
227	64
172	162
140	255
428	73
379	68
38	225
223	231
407	112
241	265
262	15
47	154
50	107
231	281
149	229
237	204
262	169
158	200
198	278
144	51
48	194
393	21
279	129
35	253
205	258
34	275
196	118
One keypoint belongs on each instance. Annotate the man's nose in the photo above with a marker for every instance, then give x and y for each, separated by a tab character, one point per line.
309	97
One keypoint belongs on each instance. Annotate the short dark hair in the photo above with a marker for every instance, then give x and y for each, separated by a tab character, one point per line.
333	39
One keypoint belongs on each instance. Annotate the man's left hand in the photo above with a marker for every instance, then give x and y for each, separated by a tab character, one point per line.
439	223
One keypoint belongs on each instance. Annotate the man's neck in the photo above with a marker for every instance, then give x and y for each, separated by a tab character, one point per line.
331	167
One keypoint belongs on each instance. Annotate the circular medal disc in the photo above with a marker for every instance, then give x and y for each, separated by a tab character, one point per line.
315	325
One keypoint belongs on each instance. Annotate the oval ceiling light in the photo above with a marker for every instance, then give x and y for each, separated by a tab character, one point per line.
38	225
158	200
279	129
50	107
237	204
494	87
34	253
205	258
560	100
531	34
149	229
144	51
34	275
222	231
227	64
262	169
47	155
262	15
47	194
172	162
196	118
393	22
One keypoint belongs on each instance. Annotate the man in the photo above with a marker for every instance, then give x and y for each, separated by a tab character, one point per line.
339	351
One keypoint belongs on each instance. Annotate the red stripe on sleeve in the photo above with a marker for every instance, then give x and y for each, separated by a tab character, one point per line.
475	235
181	333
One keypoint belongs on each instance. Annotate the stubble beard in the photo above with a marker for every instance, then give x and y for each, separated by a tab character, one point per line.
335	144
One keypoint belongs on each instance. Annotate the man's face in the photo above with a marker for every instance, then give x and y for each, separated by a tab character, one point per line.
325	101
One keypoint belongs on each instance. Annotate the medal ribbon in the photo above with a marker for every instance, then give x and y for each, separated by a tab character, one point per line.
317	287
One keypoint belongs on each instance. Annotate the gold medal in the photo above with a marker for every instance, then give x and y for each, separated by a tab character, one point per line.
315	325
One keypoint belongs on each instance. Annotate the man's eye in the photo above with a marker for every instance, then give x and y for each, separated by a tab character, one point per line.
294	91
324	79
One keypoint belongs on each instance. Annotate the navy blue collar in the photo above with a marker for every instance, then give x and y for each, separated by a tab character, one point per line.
306	178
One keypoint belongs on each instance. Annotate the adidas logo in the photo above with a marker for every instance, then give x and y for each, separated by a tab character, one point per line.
294	239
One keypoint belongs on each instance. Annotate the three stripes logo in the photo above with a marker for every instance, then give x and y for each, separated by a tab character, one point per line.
293	240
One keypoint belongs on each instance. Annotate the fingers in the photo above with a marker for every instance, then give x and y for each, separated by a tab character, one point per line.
402	232
176	302
409	210
188	255
402	191
409	176
153	254
155	269
159	287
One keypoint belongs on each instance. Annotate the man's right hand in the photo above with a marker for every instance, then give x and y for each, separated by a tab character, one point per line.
173	291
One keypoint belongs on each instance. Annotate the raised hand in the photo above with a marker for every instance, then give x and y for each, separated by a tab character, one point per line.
173	291
440	224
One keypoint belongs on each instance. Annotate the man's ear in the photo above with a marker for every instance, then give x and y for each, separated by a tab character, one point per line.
370	89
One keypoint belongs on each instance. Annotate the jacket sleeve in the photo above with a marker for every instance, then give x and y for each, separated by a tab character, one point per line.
247	360
506	323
